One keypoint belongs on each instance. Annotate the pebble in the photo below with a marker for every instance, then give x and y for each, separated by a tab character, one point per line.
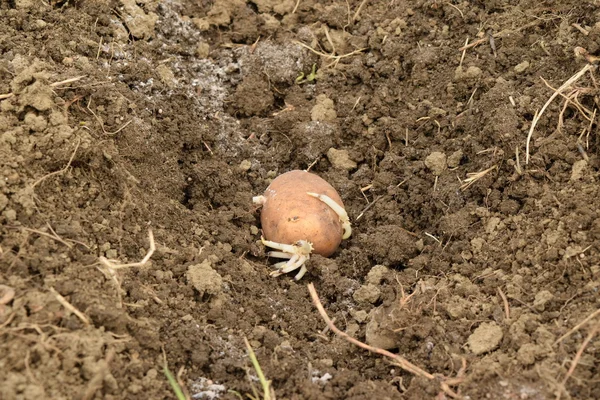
521	67
436	162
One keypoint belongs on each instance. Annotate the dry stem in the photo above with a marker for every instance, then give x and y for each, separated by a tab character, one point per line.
111	267
473	177
505	301
55	84
578	326
69	306
332	55
61	171
396	358
558	91
579	353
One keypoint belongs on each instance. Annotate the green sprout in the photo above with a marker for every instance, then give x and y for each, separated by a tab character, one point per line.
174	384
311	77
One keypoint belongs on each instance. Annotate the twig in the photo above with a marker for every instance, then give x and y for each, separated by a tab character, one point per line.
558	91
358	10
111	265
332	55
462	57
268	393
69	306
59	171
580	351
473	177
576	327
402	362
502	34
70	80
397	359
505	301
296	6
457	9
53	236
371	204
55	84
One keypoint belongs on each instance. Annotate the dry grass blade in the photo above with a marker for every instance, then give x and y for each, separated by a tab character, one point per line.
578	355
268	392
558	91
111	266
397	359
473	177
114	266
61	171
55	84
70	307
578	326
331	56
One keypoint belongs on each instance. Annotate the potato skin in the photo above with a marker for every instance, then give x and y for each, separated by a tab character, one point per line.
289	214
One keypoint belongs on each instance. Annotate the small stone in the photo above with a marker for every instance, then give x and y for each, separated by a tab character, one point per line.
340	159
436	162
454	159
436	112
519	68
245	165
377	274
166	75
202	50
111	254
326	362
578	170
270	22
254	230
367	293
360	315
140	24
204	278
485	338
105	246
352	329
10	215
472	72
541	299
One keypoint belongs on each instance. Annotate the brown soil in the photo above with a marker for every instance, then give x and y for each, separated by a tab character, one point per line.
119	116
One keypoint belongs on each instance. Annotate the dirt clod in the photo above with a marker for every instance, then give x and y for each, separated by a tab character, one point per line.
436	162
485	338
204	278
340	159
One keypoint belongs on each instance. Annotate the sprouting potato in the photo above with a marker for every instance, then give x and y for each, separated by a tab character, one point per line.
302	214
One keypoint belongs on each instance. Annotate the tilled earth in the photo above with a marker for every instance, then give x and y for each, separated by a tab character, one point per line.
475	246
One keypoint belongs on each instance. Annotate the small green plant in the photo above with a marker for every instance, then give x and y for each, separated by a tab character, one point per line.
267	391
174	384
311	77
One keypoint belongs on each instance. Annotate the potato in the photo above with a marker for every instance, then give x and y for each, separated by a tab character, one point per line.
289	214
